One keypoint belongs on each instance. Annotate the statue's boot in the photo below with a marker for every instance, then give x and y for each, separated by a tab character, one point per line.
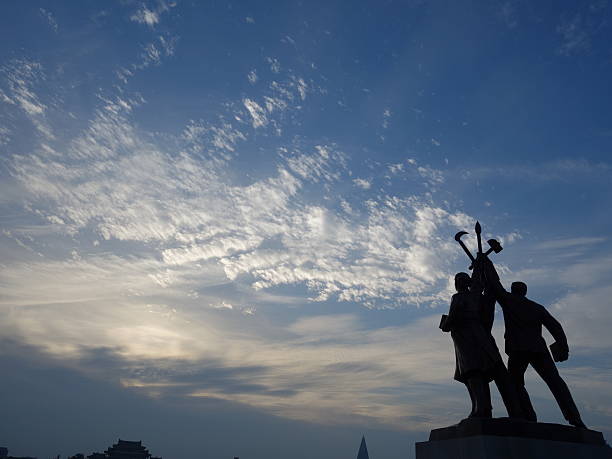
480	390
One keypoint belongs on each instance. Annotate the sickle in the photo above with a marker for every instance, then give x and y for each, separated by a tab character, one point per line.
465	249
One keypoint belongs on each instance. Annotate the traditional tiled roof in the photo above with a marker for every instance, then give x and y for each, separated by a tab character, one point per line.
124	449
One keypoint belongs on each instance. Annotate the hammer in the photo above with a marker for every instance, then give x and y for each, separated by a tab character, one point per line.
494	246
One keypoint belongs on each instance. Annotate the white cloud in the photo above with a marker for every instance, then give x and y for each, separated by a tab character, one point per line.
511	237
362	183
21	77
280	97
122	187
556	244
386	117
258	114
145	16
222	305
168	44
433	176
274	64
151	16
274	103
50	19
222	139
4	135
302	88
152	54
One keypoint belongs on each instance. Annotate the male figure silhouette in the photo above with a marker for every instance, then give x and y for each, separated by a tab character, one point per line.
477	358
525	345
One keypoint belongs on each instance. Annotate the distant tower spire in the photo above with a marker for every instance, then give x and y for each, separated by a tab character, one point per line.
363	449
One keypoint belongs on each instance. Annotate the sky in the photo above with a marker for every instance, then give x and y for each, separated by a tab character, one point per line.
227	227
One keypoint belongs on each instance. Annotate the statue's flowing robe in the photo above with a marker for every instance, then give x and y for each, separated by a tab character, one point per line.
470	321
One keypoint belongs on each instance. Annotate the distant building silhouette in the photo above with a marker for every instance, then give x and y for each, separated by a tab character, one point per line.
363	449
4	455
77	456
124	449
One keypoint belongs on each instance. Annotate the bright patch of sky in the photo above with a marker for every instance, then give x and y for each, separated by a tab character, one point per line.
243	214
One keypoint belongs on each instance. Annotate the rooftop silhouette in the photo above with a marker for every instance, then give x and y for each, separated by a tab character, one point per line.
124	449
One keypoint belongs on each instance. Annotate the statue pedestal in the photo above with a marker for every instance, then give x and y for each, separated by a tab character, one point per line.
504	438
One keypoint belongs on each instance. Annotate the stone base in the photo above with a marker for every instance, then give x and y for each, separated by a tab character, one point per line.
505	438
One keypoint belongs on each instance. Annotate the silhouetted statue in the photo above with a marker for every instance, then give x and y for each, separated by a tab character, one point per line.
477	358
525	345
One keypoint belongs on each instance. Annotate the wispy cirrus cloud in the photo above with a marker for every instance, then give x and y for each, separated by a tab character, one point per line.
258	114
565	169
50	19
150	15
115	182
152	54
169	234
186	231
21	78
575	37
580	30
569	243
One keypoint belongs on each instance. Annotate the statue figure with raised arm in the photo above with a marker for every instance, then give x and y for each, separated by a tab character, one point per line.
525	345
478	361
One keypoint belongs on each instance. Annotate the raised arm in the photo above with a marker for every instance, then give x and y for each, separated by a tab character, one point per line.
492	282
488	309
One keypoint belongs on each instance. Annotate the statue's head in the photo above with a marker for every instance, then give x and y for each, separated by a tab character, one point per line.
462	282
519	288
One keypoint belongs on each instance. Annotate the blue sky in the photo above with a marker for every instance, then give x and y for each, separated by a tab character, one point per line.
232	222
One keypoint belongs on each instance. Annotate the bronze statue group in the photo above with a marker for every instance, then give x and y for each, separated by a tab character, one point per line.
478	360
